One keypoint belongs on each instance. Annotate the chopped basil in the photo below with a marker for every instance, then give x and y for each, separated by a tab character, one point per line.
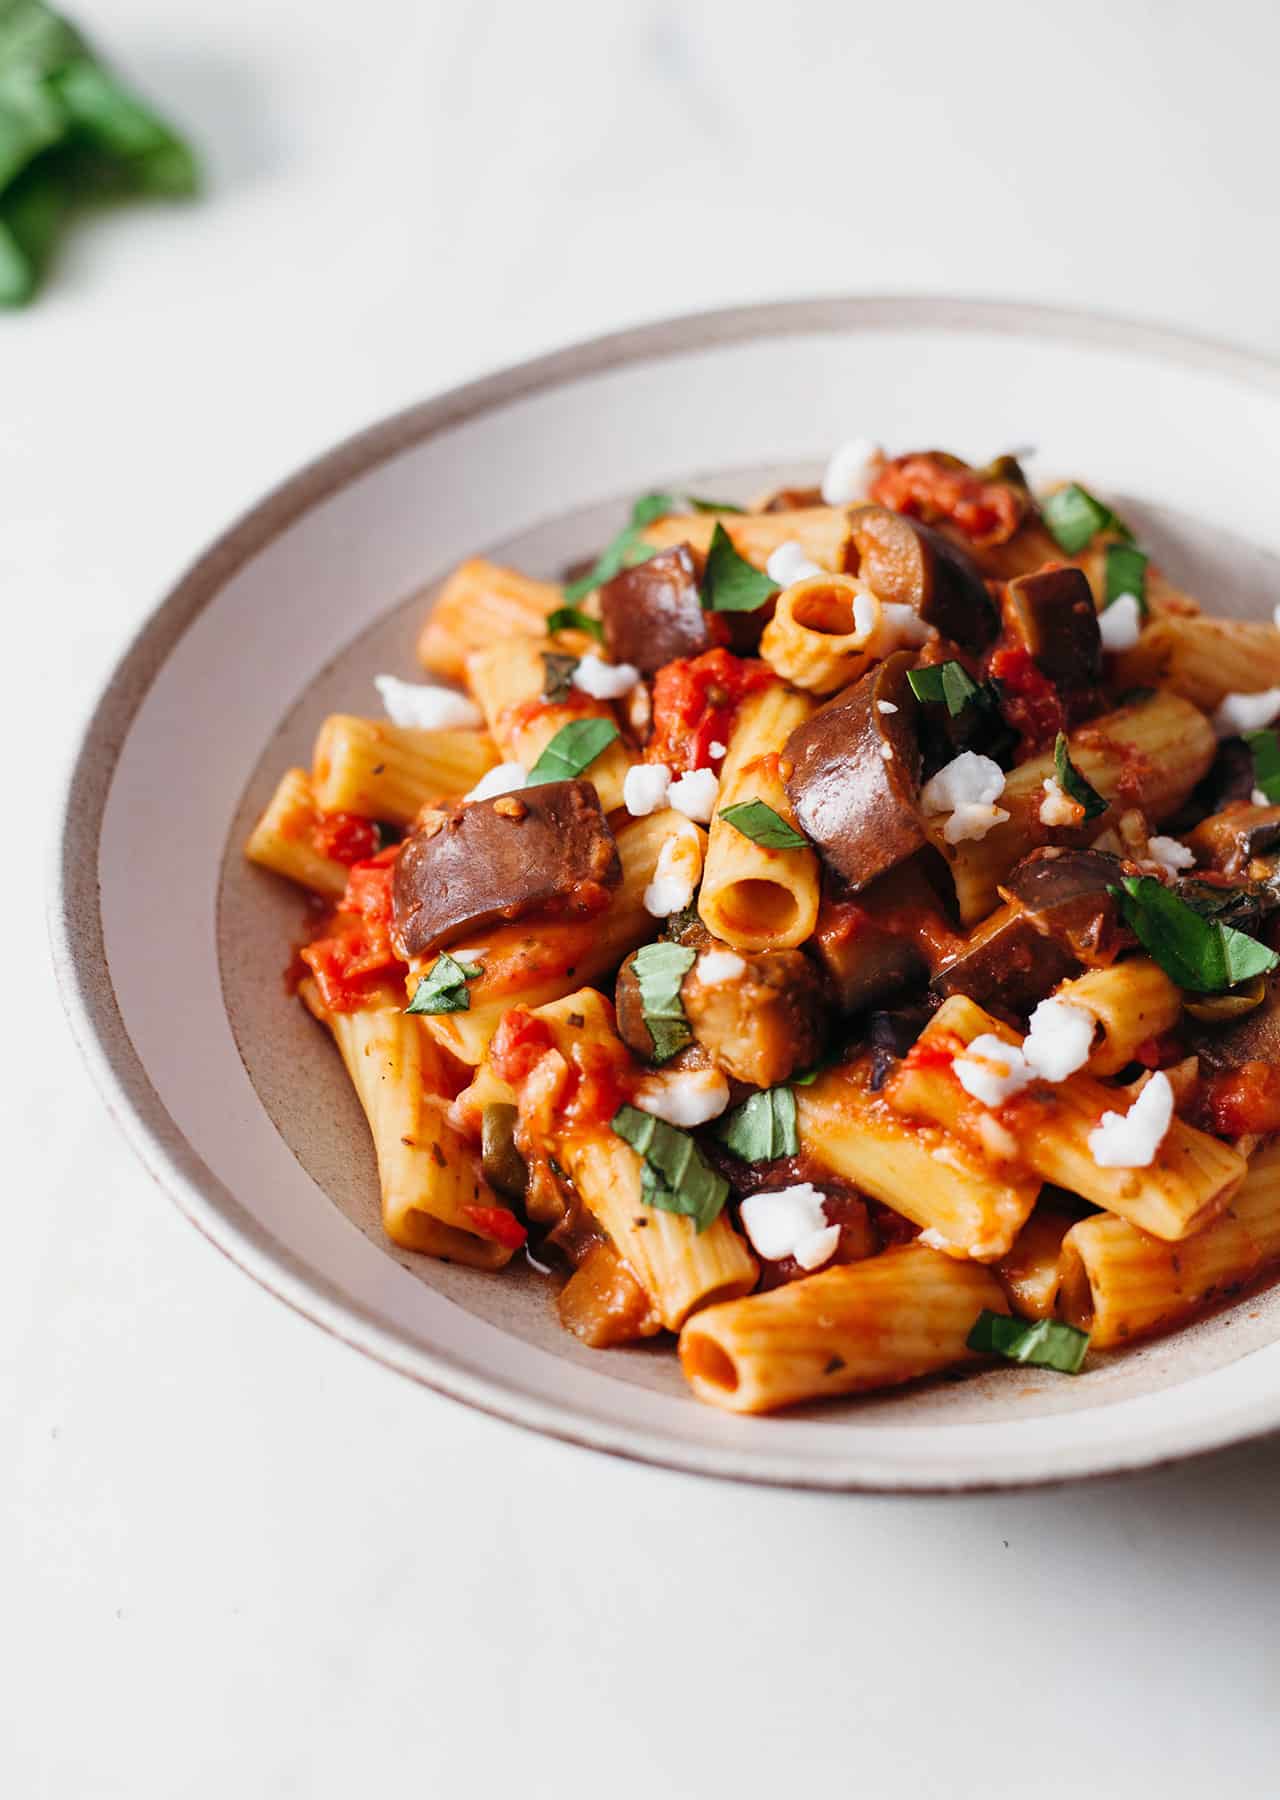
1073	783
659	970
574	748
1075	518
557	676
730	583
629	548
572	618
1265	749
1202	955
1126	573
763	1127
444	988
663	506
947	682
1044	1343
762	825
674	1175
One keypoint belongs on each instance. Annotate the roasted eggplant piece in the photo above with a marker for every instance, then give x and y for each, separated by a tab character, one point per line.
470	865
504	1167
652	614
910	564
1231	839
1253	1037
853	774
1052	614
1058	916
891	937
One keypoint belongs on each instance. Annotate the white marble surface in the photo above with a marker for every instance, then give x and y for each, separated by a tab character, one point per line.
237	1559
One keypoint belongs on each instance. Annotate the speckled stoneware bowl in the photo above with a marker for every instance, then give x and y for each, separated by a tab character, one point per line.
237	1103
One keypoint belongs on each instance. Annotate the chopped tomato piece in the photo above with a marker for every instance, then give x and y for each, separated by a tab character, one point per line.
934	490
519	1044
498	1223
695	701
354	954
346	837
937	1051
1028	699
1245	1100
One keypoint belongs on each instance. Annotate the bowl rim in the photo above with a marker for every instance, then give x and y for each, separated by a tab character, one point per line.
76	929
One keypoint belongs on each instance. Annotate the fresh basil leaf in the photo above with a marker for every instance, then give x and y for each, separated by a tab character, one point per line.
1202	955
1126	573
574	748
659	970
674	1175
662	506
762	825
729	582
946	682
32	211
557	677
713	506
626	550
1075	518
571	618
444	988
1042	1343
763	1127
148	157
1265	749
1073	783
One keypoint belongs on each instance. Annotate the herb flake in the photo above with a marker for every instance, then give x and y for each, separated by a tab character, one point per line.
763	1127
557	676
730	583
1126	573
1200	954
444	988
1042	1343
1264	746
572	618
1073	783
659	970
628	548
759	822
1075	518
947	682
574	748
674	1175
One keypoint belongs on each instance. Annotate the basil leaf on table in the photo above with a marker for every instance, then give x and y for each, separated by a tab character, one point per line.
759	822
1073	783
763	1127
659	970
574	748
1202	955
729	582
1041	1343
444	988
674	1175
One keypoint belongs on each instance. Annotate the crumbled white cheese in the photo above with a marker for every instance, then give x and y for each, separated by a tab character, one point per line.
788	564
421	707
897	628
1247	712
1171	855
967	788
991	1070
716	749
684	1097
885	706
1120	623
848	474
676	874
886	752
1130	1140
790	1222
644	788
866	614
1057	807
505	779
604	680
695	795
716	966
1059	1039
1258	798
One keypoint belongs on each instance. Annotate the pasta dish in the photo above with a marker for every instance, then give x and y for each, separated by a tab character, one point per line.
836	932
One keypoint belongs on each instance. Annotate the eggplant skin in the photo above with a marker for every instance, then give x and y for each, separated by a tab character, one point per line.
1053	615
652	614
1253	1038
854	775
476	863
913	565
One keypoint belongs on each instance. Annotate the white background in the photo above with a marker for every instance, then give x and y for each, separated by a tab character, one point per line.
236	1558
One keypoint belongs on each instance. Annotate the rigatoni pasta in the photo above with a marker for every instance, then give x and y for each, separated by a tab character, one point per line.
848	944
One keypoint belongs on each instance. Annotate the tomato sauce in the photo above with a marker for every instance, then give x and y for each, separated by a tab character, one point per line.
695	701
353	955
346	837
931	489
1028	699
1242	1101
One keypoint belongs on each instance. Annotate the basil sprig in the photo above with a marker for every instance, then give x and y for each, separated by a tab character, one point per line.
659	970
572	618
1264	747
444	988
629	548
1075	517
574	748
1126	573
757	821
947	682
674	1175
729	582
557	675
1073	783
763	1127
1043	1343
1200	954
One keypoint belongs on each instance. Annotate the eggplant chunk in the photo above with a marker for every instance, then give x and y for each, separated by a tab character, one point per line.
653	613
1230	840
761	1026
470	865
854	774
1058	916
1254	1037
891	937
1053	615
912	565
